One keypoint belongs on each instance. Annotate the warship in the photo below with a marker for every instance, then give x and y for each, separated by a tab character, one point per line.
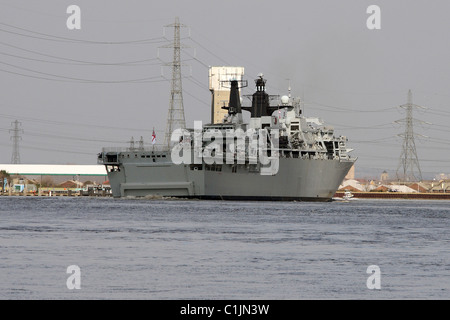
279	154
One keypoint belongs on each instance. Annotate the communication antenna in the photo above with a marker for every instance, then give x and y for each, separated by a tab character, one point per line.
408	168
175	117
15	137
289	88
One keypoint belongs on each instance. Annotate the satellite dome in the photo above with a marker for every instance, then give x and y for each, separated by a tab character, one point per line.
284	99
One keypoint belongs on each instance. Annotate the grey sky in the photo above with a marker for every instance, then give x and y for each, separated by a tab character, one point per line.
351	77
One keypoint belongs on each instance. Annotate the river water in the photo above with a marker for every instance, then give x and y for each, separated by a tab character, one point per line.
189	249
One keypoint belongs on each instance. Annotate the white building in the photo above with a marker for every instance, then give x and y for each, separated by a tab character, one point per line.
57	172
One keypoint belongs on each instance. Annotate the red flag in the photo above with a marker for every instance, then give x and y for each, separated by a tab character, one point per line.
153	137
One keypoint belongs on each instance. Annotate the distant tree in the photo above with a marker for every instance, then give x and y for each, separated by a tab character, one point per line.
87	183
3	175
47	182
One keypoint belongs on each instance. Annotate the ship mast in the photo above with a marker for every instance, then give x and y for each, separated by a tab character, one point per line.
175	117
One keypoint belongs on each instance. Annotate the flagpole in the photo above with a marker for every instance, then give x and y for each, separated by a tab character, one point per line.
153	140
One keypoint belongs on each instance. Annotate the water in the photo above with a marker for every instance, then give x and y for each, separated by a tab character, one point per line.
179	249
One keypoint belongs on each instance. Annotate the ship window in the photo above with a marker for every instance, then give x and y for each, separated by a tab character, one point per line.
135	155
147	156
294	127
213	167
195	166
143	156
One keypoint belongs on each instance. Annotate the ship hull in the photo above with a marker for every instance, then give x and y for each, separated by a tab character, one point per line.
296	179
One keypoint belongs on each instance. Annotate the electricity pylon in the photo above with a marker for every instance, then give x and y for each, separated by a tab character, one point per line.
175	117
409	168
15	137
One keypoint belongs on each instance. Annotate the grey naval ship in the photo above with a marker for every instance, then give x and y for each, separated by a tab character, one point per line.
283	156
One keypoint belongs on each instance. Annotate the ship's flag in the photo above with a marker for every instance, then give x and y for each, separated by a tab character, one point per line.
153	137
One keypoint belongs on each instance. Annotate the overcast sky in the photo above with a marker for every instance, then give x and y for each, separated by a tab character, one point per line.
76	91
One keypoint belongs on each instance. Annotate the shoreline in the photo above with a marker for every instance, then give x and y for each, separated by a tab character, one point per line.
338	194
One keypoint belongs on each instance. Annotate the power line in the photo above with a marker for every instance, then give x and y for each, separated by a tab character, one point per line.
84	140
75	60
196	98
283	78
209	51
51	37
37	77
440	141
73	79
439	113
55	150
74	124
62	16
138	63
142	62
197	83
340	109
382	157
348	127
374	140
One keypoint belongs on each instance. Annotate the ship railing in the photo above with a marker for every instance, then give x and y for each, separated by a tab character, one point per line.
137	149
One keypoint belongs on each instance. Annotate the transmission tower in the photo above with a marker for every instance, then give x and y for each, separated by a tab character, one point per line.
175	117
15	137
408	168
131	142
141	144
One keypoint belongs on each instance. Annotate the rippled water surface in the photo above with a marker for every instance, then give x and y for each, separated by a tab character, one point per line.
179	249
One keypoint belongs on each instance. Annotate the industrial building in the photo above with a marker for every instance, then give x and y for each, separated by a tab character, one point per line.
219	78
